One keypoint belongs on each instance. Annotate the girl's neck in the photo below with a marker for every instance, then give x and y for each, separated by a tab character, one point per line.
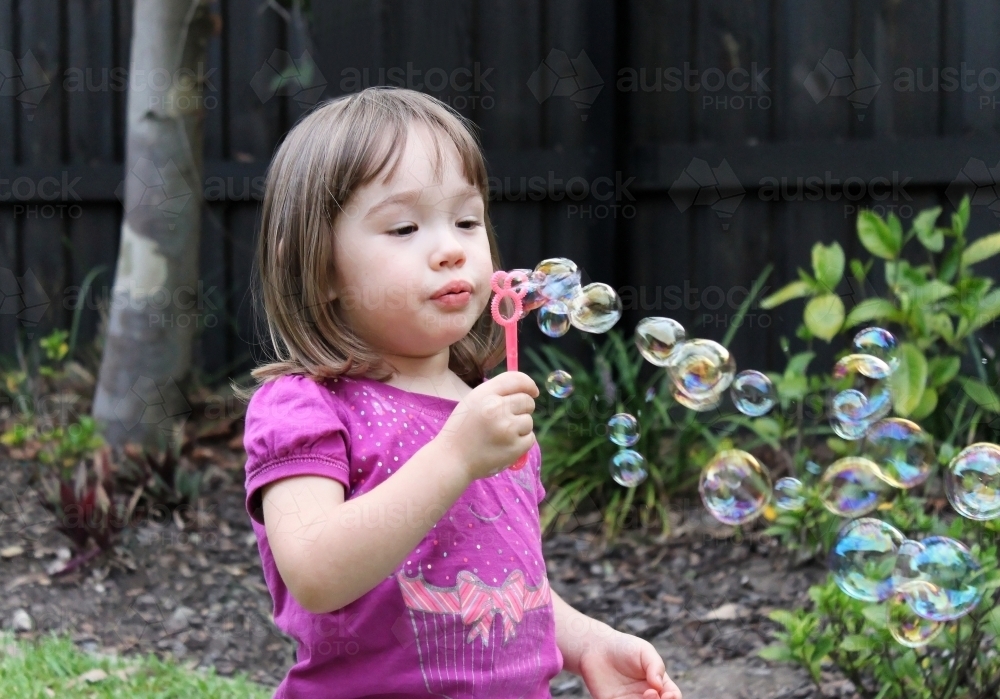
427	375
449	386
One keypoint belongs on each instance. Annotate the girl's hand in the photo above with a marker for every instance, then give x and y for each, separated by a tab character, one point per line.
491	427
626	667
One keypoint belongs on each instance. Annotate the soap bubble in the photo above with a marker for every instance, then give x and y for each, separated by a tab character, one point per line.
788	494
656	338
753	393
559	279
862	395
871	398
958	576
879	343
849	429
596	308
813	468
532	284
623	429
903	452
904	624
906	563
851	486
701	368
559	384
972	481
650	394
628	468
863	558
709	402
553	319
734	486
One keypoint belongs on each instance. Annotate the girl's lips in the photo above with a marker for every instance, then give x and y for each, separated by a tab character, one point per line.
453	300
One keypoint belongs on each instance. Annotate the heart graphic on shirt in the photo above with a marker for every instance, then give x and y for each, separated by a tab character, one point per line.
485	518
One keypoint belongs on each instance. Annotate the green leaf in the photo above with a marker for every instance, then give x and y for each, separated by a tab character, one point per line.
960	219
786	293
992	622
923	224
930	292
877	237
875	614
777	652
982	395
941	370
824	315
987	310
828	264
981	249
798	364
949	266
856	643
784	617
908	381
928	402
868	310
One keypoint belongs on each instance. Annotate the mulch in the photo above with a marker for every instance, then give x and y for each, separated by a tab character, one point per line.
191	588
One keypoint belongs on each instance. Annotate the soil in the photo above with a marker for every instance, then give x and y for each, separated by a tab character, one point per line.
196	593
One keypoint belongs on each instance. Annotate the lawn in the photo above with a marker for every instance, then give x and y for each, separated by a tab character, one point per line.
54	667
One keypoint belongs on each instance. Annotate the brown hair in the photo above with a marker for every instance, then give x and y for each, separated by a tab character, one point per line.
336	149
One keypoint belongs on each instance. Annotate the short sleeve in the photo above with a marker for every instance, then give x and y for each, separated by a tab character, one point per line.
294	427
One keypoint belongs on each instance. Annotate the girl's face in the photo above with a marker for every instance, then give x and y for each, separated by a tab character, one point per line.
412	259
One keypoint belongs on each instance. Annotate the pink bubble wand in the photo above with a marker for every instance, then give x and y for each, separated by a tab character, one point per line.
502	284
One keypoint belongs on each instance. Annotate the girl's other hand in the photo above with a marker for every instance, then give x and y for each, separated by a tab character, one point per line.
492	427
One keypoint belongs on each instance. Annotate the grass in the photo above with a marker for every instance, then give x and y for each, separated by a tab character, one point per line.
53	667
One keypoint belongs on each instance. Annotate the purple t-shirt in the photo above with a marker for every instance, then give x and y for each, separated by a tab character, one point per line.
467	613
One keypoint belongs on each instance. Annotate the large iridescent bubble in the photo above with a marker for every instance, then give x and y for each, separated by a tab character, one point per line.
788	494
753	393
863	558
972	481
851	487
559	384
957	576
558	279
698	404
623	429
702	369
908	628
865	375
880	343
734	486
553	318
903	452
656	338
531	282
595	308
628	468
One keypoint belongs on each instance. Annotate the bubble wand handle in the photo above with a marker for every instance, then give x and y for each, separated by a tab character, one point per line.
502	284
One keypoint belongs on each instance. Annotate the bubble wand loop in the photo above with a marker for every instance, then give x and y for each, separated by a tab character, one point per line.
501	282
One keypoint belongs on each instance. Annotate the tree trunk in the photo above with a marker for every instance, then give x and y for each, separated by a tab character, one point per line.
154	300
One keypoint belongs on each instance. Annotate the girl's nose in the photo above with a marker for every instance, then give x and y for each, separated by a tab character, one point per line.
449	251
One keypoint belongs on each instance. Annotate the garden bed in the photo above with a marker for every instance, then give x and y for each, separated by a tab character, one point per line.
198	597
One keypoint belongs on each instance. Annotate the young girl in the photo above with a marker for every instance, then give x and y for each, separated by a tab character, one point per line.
401	552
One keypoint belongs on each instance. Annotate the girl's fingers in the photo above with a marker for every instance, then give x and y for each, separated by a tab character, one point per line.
653	664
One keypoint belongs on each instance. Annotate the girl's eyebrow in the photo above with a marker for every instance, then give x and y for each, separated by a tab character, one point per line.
412	196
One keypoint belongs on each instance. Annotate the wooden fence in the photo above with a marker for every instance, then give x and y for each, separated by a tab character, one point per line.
671	143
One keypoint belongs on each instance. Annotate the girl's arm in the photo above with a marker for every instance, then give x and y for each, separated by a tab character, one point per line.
330	551
576	632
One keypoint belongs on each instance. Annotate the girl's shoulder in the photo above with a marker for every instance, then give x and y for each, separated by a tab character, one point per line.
292	395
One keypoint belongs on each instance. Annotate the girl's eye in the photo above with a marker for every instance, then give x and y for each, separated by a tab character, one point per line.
403	230
470	223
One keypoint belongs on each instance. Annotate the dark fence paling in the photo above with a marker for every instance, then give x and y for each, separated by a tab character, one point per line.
628	135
